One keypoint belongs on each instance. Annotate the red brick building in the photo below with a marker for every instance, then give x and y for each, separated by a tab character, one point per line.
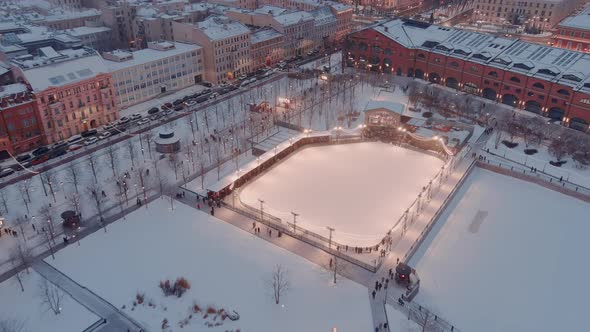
573	33
20	127
541	79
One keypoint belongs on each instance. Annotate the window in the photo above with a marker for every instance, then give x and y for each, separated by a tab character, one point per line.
493	74
421	56
539	86
563	92
515	79
454	64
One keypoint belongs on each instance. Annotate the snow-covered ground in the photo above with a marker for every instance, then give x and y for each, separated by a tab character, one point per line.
507	255
26	309
359	189
227	268
541	159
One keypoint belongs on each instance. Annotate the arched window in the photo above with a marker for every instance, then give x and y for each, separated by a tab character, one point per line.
493	74
515	79
563	92
421	56
539	86
454	64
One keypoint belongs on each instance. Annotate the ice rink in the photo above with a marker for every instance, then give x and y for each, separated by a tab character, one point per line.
508	255
359	189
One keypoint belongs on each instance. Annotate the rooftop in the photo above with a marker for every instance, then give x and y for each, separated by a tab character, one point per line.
219	28
264	34
12	89
553	64
293	18
146	55
83	31
580	20
60	68
60	15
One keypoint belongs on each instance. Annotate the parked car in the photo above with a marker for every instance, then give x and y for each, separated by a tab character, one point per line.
59	145
201	99
143	121
89	133
135	116
58	152
40	159
177	102
213	95
23	157
40	151
6	172
123	120
178	108
245	83
75	147
108	126
104	135
205	92
153	110
91	140
224	85
242	77
155	117
190	103
74	139
207	84
166	112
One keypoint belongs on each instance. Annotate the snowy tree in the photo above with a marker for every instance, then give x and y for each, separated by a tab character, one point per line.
73	174
113	159
11	325
51	296
558	148
94	191
93	163
279	282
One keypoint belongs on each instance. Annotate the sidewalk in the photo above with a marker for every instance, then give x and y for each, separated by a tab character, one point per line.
115	319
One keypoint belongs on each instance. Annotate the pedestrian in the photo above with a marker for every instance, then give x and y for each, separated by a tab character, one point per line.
373	294
198	206
33	225
270	232
254	225
330	262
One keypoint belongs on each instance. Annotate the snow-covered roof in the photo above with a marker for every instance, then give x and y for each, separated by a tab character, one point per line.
146	12
264	35
60	15
270	10
293	18
580	20
75	65
530	59
83	31
147	55
323	15
386	104
219	28
11	89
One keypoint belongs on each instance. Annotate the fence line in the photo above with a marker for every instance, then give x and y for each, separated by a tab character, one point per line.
412	310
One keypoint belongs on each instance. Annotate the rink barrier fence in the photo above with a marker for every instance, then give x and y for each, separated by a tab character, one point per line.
409	309
94	326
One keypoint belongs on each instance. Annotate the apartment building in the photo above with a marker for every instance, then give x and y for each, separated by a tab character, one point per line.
73	90
226	46
67	19
97	37
266	47
20	126
573	33
541	14
540	79
120	19
161	67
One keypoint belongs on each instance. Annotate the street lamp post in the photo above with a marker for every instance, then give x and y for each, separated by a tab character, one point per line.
295	215
261	209
331	229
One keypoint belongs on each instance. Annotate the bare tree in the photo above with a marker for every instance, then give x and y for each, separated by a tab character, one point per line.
46	214
113	159
11	325
558	148
72	174
21	222
202	172
335	267
425	319
4	200
173	161
25	189
279	282
49	179
75	200
169	190
20	255
149	137
51	296
94	191
93	163
141	179
131	151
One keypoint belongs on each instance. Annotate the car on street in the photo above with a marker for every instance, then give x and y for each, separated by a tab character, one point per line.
74	139
214	95
201	99
108	126
177	102
190	103
245	83
91	140
135	116
6	172
123	120
178	108
59	145
166	112
89	133
205	92
40	159
155	117
207	84
153	110
40	151
166	106
105	134
143	121
23	157
58	152
75	147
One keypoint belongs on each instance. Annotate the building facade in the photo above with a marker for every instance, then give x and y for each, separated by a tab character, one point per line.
73	91
545	80
573	33
160	68
226	46
266	48
20	126
99	38
541	14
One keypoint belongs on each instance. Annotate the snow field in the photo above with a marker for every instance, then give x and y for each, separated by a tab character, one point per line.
26	307
359	189
227	268
507	255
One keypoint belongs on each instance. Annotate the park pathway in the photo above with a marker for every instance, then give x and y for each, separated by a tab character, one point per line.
113	318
